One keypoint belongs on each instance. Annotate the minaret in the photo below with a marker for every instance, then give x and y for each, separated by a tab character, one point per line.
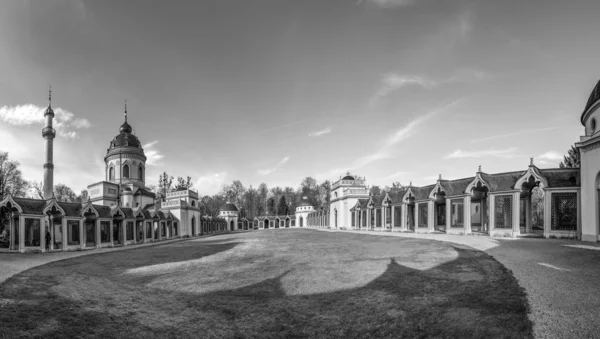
49	133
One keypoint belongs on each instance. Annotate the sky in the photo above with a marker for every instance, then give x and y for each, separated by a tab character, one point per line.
274	91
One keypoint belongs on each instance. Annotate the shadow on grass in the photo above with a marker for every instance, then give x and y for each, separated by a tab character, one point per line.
470	297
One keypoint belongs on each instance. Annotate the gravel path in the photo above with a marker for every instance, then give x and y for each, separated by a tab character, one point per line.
561	278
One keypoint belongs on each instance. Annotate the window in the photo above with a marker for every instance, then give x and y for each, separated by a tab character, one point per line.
72	232
593	125
111	174
140	173
193	203
126	171
105	231
32	232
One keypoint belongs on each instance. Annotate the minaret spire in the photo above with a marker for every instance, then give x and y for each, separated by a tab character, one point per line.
48	133
50	96
125	110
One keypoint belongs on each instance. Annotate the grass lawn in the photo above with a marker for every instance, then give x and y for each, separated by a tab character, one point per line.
270	284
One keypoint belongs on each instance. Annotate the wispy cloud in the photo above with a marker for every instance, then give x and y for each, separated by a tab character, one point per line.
387	3
551	156
385	147
65	122
273	169
392	82
511	134
395	175
321	132
507	153
153	155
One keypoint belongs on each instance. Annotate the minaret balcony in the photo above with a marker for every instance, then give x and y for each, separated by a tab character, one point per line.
48	131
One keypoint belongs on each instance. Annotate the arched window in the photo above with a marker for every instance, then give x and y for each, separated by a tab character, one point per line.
126	171
140	173
193	203
111	174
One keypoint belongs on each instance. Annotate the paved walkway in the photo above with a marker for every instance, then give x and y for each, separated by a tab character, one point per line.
561	278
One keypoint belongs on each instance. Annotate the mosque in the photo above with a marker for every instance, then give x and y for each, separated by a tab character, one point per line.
122	211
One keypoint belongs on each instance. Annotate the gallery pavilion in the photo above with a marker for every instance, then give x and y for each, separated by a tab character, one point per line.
122	211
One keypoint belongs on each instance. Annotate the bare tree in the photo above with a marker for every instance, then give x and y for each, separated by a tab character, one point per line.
64	193
11	178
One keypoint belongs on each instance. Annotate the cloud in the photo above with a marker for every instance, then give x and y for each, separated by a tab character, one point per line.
385	148
273	169
395	175
498	153
64	122
527	131
388	3
153	155
210	183
392	82
551	155
321	132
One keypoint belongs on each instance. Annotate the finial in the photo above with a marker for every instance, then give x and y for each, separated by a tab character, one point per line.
50	96
479	169
440	178
410	184
531	161
125	110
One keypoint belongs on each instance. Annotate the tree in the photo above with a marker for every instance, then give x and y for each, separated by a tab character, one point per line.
282	206
37	188
83	197
375	190
309	189
165	184
572	159
64	193
271	206
324	191
234	192
263	194
184	184
11	178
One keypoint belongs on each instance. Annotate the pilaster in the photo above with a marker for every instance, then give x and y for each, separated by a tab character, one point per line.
467	211
431	216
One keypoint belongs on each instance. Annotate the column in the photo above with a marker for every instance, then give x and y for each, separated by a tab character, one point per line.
51	225
516	217
98	234
144	230
416	215
369	211
528	214
160	230
13	241
403	217
110	236
383	210
21	234
392	217
467	215
484	219
43	235
448	214
65	232
431	216
547	213
492	213
82	239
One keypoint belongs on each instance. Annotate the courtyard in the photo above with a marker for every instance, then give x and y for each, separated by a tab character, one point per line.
270	284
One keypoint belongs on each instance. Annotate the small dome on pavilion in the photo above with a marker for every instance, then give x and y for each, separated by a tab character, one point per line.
594	97
228	207
125	128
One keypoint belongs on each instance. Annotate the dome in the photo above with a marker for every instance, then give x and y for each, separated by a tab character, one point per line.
49	111
125	128
594	96
304	203
348	177
125	139
228	207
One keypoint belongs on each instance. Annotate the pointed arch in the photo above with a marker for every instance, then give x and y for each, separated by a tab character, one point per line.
126	171
438	189
531	175
52	203
8	202
476	183
111	173
89	208
408	196
116	210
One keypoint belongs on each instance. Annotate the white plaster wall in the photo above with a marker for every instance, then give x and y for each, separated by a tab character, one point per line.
590	168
